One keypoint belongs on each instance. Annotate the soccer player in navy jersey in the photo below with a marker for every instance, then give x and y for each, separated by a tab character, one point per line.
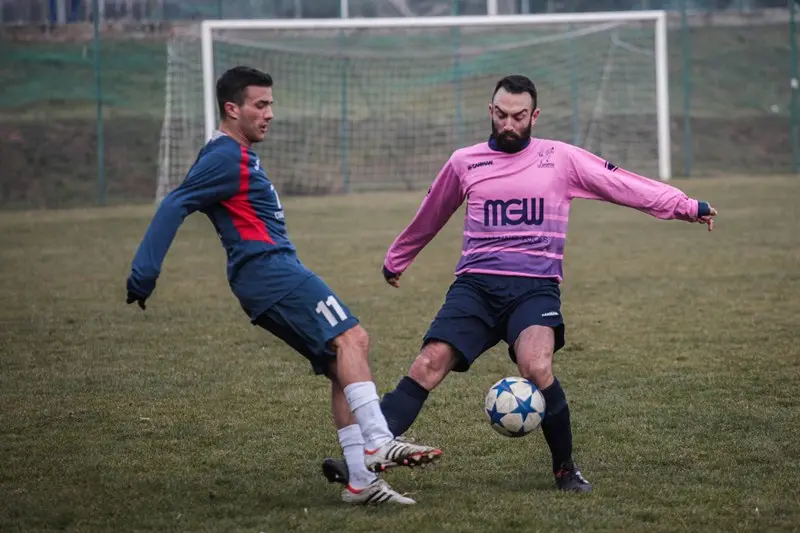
228	184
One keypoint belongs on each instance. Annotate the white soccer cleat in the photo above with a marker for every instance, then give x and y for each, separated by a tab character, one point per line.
400	453
375	493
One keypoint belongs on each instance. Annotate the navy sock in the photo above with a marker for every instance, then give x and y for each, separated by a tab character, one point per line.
402	405
556	425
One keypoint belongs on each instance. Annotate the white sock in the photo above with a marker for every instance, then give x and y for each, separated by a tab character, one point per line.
362	398
353	447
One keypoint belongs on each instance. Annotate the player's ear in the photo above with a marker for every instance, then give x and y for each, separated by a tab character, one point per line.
491	109
232	110
534	116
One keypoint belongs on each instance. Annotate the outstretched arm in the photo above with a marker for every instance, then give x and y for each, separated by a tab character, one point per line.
214	178
594	178
443	199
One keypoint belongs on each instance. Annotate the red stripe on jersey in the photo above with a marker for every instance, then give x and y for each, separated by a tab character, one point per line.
245	220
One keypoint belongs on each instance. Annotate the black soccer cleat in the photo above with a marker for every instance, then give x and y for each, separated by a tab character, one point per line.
569	479
335	470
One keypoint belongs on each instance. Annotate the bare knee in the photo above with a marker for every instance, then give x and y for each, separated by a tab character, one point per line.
431	366
351	364
355	340
534	352
537	368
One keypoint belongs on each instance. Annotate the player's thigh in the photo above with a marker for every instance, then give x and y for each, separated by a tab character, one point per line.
466	323
308	319
536	312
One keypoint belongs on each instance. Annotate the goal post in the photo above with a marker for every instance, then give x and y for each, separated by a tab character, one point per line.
380	103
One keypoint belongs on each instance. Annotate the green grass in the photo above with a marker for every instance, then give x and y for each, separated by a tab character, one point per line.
681	370
56	80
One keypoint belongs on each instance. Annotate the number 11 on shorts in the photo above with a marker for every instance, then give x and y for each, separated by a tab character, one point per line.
324	308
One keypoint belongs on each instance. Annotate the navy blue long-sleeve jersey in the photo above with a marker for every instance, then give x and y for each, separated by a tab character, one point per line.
227	184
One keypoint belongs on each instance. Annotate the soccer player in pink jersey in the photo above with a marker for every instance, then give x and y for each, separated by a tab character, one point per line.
518	191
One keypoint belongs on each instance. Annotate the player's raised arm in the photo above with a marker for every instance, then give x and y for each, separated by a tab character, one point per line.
213	178
443	199
594	178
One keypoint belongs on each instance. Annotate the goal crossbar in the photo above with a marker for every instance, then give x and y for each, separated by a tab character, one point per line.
658	17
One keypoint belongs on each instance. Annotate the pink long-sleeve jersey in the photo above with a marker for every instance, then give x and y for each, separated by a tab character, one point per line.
518	206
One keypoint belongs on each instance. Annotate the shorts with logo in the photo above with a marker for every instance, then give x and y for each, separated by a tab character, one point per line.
480	310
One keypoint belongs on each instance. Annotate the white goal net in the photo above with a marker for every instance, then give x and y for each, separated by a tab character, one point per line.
379	104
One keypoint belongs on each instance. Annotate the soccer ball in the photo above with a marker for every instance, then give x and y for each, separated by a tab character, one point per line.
515	407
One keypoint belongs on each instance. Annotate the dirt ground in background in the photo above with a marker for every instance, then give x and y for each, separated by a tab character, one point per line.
55	165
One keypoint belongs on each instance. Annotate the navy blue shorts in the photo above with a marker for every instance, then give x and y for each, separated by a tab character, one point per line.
480	310
308	318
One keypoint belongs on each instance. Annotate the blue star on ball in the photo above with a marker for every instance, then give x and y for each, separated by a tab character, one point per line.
503	386
494	416
524	408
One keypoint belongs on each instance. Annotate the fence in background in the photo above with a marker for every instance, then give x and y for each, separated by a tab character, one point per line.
81	118
72	11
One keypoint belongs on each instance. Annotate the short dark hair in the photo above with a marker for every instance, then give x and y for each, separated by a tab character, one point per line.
231	85
517	84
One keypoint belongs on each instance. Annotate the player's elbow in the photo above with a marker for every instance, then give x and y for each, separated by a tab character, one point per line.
171	201
175	206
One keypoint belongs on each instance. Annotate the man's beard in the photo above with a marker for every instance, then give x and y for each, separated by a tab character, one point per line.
509	141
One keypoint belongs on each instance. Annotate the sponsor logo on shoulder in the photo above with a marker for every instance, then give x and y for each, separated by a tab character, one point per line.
480	164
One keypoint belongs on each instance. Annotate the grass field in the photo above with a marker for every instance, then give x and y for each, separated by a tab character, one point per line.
682	369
